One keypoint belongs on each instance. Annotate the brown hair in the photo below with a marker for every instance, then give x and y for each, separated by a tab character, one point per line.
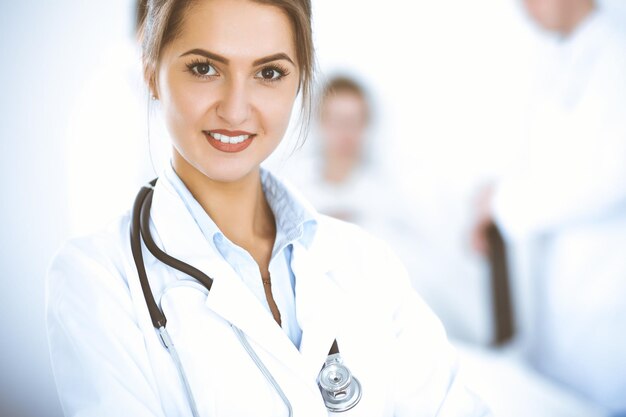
163	23
344	84
141	9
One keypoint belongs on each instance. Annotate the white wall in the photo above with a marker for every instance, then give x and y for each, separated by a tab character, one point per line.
47	49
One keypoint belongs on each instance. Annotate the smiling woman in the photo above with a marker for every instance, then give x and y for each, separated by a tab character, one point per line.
271	309
231	86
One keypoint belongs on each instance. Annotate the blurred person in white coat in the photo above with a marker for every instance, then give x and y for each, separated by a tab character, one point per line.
262	288
571	201
343	180
340	176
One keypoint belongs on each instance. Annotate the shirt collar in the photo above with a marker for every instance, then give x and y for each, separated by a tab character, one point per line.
296	219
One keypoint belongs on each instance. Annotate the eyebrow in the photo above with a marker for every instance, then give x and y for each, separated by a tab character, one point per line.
215	57
275	57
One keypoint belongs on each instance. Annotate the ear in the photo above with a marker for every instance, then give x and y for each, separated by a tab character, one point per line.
149	76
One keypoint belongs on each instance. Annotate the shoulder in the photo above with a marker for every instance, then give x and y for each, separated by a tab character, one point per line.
85	266
103	247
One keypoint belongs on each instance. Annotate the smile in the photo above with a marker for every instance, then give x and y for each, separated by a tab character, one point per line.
229	141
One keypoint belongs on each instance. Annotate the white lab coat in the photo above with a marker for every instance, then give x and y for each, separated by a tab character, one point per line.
108	360
369	198
572	203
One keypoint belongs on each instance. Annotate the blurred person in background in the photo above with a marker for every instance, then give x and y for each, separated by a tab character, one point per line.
343	180
571	202
340	178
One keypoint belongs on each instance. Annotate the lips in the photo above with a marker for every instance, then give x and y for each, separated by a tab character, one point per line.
228	140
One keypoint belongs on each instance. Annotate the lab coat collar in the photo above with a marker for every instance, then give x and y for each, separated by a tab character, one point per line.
319	309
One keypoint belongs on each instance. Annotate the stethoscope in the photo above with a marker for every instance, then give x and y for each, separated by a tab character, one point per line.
340	390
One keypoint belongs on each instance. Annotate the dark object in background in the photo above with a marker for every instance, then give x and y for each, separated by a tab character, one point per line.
503	321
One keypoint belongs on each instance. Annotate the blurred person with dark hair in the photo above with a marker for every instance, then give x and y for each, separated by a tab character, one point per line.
344	180
570	202
344	119
341	175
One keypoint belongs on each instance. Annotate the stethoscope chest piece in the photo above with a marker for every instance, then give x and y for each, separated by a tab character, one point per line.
340	390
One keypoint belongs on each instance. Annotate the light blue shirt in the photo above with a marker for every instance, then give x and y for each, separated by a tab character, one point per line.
294	222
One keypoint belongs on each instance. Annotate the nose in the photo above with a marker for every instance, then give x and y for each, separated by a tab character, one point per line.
234	104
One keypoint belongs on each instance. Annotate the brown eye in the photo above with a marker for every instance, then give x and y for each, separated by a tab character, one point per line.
202	69
270	74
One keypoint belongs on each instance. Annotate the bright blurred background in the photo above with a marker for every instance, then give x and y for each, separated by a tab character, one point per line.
448	82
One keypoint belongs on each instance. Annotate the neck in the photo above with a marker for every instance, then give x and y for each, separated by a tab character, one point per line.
579	12
238	208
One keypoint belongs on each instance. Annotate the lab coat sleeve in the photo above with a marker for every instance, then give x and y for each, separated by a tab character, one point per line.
428	382
97	350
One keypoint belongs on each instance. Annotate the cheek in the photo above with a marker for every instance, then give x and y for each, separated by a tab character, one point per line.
546	12
275	111
333	136
534	8
183	108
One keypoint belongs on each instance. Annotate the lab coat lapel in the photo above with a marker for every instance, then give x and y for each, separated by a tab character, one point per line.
319	306
232	300
229	297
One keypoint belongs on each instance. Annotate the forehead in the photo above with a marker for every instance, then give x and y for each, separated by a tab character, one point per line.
344	105
344	98
547	3
236	29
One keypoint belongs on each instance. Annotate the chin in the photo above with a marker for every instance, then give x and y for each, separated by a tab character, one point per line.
221	166
228	171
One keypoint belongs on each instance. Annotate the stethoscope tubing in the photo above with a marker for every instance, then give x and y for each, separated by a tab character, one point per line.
156	315
169	345
259	363
168	260
140	230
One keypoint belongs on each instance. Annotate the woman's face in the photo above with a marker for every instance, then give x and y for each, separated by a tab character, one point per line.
343	122
227	85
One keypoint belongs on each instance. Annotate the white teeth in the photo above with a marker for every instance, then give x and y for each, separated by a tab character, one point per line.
229	139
